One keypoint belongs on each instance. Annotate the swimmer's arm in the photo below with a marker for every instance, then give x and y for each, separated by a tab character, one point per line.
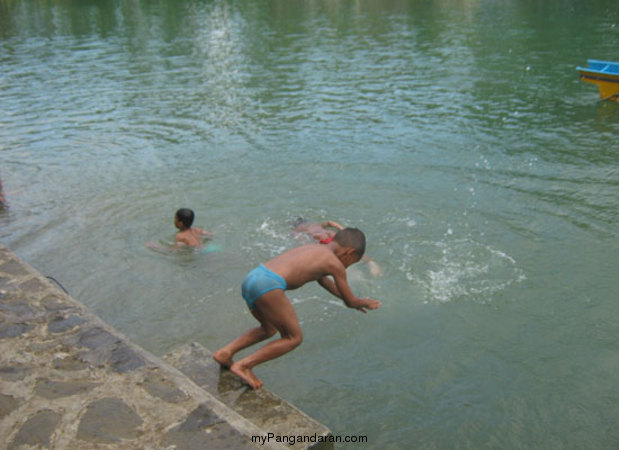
375	269
207	234
332	224
155	246
160	248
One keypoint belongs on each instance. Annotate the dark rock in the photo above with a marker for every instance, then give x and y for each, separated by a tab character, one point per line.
96	338
8	403
69	363
14	268
57	389
108	421
37	430
124	359
62	324
163	389
13	373
12	330
33	286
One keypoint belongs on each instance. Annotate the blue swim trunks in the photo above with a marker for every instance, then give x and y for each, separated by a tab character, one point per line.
258	282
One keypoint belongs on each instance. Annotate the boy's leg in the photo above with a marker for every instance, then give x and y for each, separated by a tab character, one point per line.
276	310
224	355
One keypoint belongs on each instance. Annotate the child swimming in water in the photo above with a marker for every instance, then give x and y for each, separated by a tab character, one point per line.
187	235
264	292
322	233
318	231
192	237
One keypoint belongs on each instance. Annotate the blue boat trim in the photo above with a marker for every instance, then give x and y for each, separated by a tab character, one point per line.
601	67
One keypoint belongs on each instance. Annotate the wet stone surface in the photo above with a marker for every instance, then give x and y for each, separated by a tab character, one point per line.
14	269
69	362
162	388
97	338
123	359
53	303
62	324
14	372
37	430
262	407
203	429
17	309
70	381
109	420
55	389
13	330
8	404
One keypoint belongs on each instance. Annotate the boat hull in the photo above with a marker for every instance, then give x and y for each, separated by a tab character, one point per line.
605	75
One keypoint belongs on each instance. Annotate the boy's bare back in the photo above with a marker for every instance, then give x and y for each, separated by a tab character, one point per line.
304	264
319	262
191	237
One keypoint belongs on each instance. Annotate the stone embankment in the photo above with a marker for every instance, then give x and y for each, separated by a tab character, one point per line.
68	380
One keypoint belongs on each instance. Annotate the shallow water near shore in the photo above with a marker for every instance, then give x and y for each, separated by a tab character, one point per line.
456	134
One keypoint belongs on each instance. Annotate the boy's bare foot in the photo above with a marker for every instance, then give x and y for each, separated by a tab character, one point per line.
223	358
246	375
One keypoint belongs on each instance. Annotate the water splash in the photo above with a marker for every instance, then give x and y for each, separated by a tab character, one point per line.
467	270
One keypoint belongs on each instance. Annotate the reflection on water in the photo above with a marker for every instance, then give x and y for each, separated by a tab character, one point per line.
456	134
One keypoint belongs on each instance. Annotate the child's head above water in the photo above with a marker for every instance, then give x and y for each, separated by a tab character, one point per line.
184	218
352	238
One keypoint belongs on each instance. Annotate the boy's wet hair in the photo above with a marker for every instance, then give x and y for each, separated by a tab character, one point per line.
185	216
351	237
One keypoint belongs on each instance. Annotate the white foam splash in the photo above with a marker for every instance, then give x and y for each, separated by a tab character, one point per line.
467	269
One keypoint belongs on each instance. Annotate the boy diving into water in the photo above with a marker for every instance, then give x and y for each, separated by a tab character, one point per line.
264	292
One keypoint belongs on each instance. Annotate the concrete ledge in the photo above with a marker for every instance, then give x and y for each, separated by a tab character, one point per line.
68	380
263	408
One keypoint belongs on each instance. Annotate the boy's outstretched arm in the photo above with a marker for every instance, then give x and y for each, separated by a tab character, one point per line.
341	289
330	286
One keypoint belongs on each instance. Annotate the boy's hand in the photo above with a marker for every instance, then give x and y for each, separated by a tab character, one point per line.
367	303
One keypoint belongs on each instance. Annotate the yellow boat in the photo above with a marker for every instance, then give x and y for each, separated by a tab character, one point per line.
605	75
